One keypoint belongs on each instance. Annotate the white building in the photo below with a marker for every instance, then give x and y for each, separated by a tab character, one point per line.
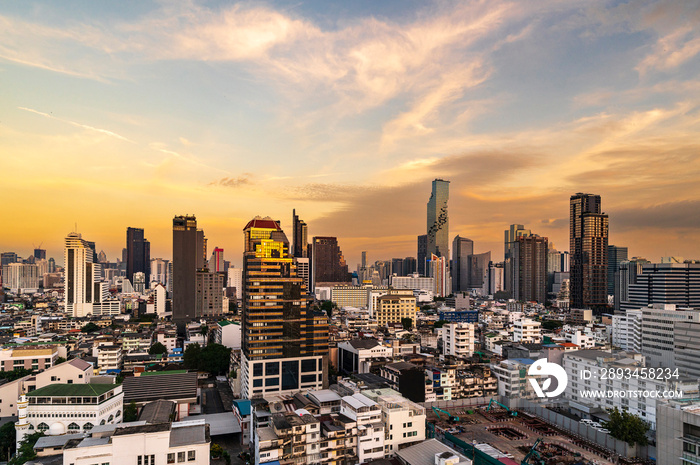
593	361
262	378
404	421
356	356
21	277
415	282
228	333
235	279
510	382
658	331
583	340
157	301
146	444
627	331
303	271
370	427
440	272
458	339
159	271
527	331
69	408
109	357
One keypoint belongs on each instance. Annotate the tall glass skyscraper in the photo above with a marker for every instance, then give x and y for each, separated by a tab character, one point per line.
588	249
285	343
438	221
138	254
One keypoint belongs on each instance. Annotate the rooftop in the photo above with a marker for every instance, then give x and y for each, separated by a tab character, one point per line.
68	390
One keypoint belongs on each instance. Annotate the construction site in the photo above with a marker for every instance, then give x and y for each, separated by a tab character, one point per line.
516	437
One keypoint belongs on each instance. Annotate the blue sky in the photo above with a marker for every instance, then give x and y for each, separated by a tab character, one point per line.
126	114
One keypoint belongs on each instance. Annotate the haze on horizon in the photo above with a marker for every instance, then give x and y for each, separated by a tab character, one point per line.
114	116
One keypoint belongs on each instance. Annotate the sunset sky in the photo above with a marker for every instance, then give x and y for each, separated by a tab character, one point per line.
117	114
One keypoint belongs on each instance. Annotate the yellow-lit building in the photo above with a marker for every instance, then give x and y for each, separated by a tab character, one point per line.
398	304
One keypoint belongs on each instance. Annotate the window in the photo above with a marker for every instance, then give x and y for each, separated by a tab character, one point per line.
180	457
190	455
88	426
73	427
42	427
171	457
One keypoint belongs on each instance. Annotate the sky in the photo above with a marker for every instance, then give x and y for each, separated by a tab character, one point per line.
118	114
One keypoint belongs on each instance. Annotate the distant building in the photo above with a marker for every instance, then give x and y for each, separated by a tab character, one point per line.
589	252
138	254
300	240
616	255
462	249
458	339
438	225
668	283
216	262
422	255
394	307
189	255
328	262
84	293
440	272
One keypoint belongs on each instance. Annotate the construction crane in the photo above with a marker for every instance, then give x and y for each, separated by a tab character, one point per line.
493	401
533	453
452	418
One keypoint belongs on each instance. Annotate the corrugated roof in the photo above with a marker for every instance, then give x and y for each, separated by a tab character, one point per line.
168	385
424	453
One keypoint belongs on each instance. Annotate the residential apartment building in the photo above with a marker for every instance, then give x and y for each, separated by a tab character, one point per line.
33	358
404	421
527	331
356	356
414	282
458	339
627	331
370	428
512	381
109	357
394	307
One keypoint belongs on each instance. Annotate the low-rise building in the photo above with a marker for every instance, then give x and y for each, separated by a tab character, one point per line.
458	339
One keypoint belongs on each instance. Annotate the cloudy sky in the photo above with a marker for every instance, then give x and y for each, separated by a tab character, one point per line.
116	114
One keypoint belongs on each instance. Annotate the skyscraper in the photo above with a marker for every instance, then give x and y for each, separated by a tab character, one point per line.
530	268
300	239
409	266
511	236
588	247
422	255
478	269
440	272
40	254
285	343
462	248
82	286
189	252
397	266
616	255
438	221
328	263
138	254
216	262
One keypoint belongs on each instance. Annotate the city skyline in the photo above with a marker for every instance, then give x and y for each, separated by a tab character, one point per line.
117	117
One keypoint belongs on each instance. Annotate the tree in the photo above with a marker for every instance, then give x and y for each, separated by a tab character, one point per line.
204	329
440	323
7	440
627	427
192	356
131	412
26	449
59	360
216	451
407	323
552	324
328	307
157	348
17	373
215	359
90	327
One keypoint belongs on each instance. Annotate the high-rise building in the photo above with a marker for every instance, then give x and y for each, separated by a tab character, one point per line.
160	271
397	266
8	257
216	262
210	293
39	254
626	274
438	222
189	252
462	249
667	283
478	269
300	232
440	272
529	256
616	255
409	266
511	236
21	277
588	234
422	255
138	254
52	265
364	259
328	263
285	343
102	257
83	291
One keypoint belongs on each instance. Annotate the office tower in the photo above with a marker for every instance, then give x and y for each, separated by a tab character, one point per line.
216	262
210	293
8	257
285	343
667	283
440	272
160	271
511	236
477	268
235	280
189	250
304	270
530	268
409	266
588	233
422	257
52	265
300	240
438	222
462	249
397	266
364	259
328	263
616	255
496	278
39	254
81	287
138	254
626	274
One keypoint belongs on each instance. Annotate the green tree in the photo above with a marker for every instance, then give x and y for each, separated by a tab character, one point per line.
157	348
59	360
131	412
215	359
17	373
26	449
204	329
216	450
191	356
328	307
552	324
440	323
627	427
90	327
7	440
407	323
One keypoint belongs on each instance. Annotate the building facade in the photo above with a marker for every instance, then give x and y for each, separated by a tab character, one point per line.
438	223
189	255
